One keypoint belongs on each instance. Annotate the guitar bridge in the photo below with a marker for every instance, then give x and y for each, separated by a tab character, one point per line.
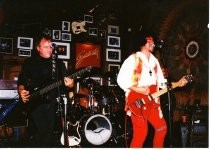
138	103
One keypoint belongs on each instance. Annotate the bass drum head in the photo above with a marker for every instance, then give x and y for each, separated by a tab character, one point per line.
98	129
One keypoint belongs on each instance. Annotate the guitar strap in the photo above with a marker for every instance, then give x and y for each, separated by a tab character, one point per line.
54	64
137	69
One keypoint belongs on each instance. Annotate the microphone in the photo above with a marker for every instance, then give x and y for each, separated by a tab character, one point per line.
159	44
54	46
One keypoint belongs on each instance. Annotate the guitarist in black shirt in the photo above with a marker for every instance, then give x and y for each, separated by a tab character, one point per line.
38	71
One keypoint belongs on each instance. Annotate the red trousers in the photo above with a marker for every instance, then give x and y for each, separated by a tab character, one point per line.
140	129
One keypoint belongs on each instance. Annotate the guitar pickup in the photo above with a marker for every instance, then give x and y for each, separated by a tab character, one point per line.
138	103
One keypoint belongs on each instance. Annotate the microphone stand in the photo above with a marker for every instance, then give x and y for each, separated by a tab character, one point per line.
169	98
169	111
54	77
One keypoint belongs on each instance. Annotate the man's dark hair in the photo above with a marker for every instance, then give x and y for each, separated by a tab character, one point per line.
139	39
40	37
144	35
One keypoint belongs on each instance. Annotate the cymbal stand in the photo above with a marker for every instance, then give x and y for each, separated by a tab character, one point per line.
66	143
91	99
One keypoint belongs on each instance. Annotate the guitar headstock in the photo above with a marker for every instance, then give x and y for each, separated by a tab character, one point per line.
184	80
189	78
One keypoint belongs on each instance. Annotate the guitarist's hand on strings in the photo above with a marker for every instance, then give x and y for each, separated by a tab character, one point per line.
143	89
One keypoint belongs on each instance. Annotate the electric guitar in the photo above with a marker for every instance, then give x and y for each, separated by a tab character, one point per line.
39	92
74	139
78	27
141	104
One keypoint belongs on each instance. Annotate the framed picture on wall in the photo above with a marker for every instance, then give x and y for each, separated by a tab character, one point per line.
93	31
66	37
113	29
6	45
66	26
113	41
88	18
102	34
24	52
113	55
88	54
25	43
113	69
56	34
63	50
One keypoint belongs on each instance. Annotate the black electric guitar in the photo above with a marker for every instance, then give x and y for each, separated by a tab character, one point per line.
74	137
33	100
141	105
37	93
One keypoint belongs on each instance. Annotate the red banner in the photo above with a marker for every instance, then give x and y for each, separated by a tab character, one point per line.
88	55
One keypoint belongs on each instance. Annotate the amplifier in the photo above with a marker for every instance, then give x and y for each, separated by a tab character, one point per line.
8	94
184	135
200	129
8	89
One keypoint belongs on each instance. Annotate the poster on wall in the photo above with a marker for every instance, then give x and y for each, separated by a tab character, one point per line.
6	45
88	54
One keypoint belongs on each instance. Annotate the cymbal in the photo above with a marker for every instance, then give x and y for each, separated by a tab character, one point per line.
90	83
78	95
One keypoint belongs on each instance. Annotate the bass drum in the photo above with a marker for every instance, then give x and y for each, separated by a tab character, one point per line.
97	129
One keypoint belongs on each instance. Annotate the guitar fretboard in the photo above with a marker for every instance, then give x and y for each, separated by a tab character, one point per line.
58	83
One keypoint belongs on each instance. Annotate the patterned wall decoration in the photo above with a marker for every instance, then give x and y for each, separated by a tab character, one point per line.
186	51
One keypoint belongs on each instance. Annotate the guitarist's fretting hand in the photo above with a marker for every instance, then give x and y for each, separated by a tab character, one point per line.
143	90
24	94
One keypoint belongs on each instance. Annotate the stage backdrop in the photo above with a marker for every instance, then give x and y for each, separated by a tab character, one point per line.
88	54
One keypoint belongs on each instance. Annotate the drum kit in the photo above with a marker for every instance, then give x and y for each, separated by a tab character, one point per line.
93	112
93	116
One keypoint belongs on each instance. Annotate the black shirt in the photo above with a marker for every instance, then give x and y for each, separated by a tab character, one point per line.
37	73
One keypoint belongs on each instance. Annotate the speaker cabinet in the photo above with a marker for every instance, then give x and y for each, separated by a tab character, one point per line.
199	135
184	135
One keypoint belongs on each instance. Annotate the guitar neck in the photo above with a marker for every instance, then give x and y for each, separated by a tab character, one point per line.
58	83
163	91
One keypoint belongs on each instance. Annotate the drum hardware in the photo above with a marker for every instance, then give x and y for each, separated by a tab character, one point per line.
78	95
66	141
63	117
90	83
91	99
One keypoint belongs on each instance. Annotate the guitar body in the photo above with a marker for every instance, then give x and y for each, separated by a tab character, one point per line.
35	101
140	104
74	137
